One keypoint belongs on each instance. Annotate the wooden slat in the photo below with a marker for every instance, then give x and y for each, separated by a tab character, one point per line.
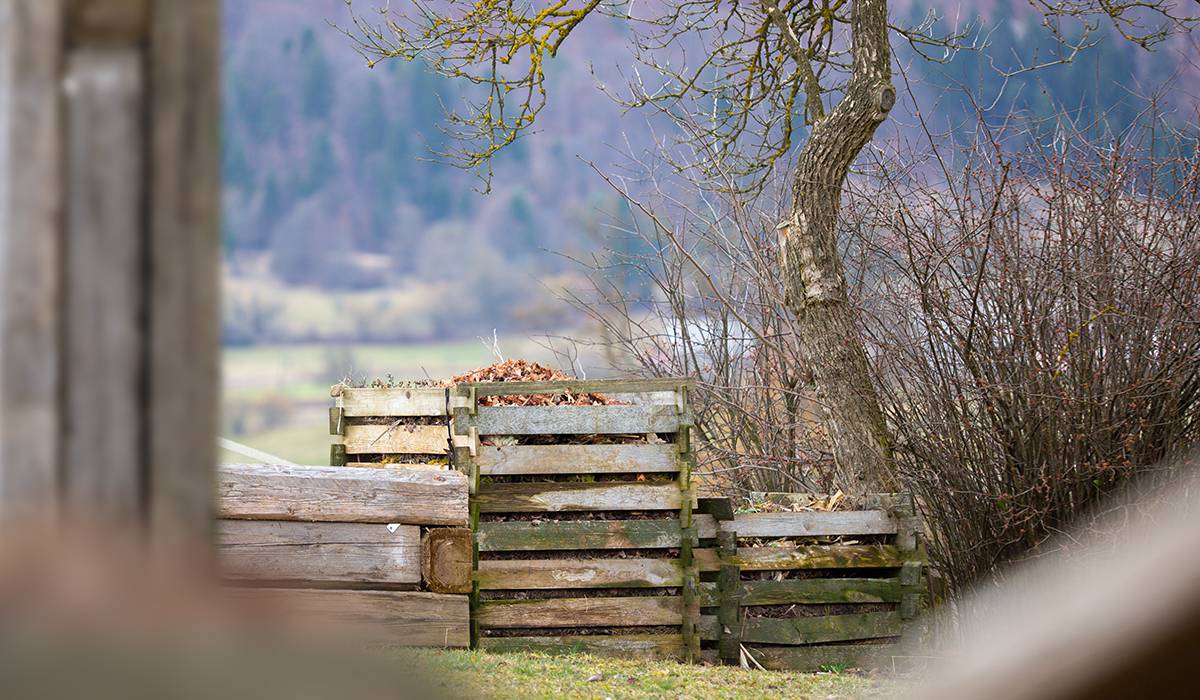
812	524
581	612
102	468
576	420
566	497
810	659
584	534
31	207
183	302
107	22
642	646
512	574
342	494
264	550
577	459
577	386
864	556
898	503
810	591
405	618
416	401
819	630
397	439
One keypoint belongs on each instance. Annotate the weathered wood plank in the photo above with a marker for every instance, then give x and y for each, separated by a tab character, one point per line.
392	439
405	618
341	494
642	646
565	497
810	591
579	386
819	630
860	556
511	574
577	459
812	524
183	299
583	534
576	420
103	338
898	503
397	402
810	659
262	550
31	257
581	612
446	559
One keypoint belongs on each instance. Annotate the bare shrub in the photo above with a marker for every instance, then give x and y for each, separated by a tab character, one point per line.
1034	319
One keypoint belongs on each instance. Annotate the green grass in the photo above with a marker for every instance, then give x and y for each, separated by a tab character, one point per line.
477	674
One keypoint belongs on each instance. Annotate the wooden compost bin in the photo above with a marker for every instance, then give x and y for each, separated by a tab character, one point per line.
807	591
393	426
384	548
582	518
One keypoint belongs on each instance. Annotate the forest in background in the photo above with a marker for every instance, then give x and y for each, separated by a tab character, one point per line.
340	225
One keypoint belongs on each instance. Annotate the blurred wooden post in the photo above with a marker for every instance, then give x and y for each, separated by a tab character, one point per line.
109	261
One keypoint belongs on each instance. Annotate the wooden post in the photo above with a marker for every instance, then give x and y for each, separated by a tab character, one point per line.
109	262
729	587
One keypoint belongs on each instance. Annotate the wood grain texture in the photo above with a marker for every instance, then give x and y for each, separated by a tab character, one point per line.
642	646
577	459
397	439
581	612
447	559
107	22
864	556
398	402
30	256
822	629
812	524
260	550
809	591
183	377
576	420
584	534
511	574
342	494
810	659
405	618
103	335
566	497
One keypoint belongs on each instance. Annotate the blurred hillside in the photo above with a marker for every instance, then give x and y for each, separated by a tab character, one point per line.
338	227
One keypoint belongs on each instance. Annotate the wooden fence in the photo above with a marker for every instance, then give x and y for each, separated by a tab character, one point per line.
383	547
582	518
388	426
809	591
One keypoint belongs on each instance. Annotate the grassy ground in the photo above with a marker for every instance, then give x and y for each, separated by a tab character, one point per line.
478	675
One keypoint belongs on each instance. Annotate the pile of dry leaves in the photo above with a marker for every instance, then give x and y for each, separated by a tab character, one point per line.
525	371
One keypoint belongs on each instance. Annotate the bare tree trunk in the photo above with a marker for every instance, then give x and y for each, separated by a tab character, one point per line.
814	277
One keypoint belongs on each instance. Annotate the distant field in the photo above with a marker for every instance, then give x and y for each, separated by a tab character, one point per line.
275	397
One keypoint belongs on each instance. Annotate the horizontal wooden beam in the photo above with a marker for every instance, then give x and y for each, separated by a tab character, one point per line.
342	494
523	536
812	524
568	497
404	618
395	402
397	439
858	556
809	630
576	420
577	459
542	574
581	612
268	550
641	646
810	659
809	591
